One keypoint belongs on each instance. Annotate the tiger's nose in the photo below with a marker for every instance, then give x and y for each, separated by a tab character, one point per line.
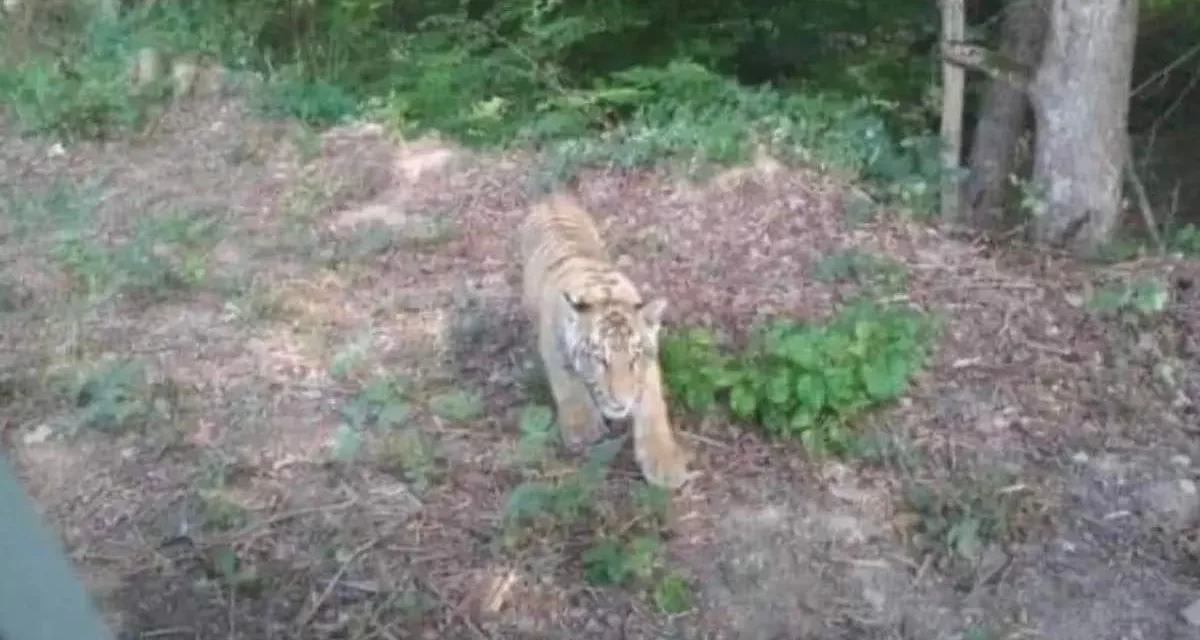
617	411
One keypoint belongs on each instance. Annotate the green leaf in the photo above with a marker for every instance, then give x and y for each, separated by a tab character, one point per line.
642	556
652	501
528	500
458	405
963	536
779	388
393	415
802	419
742	401
224	562
840	386
810	391
345	442
886	378
673	594
801	350
536	420
598	458
604	563
537	430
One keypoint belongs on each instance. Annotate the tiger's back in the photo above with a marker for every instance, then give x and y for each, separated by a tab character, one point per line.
562	251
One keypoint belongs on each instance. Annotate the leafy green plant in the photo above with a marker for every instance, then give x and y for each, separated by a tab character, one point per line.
621	549
635	560
218	511
537	434
351	357
381	403
672	593
860	267
978	633
223	563
411	454
563	500
458	405
1185	239
610	562
956	520
687	114
114	395
312	101
803	380
1130	302
165	253
74	85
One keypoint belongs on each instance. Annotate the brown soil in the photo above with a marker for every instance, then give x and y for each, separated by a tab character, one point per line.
401	250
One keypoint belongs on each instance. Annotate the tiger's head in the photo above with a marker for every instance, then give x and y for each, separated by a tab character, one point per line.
609	344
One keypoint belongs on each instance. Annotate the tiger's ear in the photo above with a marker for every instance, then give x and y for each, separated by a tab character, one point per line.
652	313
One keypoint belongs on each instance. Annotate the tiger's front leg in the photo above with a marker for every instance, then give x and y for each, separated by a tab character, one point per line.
664	462
578	418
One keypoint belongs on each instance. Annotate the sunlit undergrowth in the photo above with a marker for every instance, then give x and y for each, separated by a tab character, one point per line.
623	85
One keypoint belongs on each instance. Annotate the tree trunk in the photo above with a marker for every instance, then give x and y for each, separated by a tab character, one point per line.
953	81
1002	116
1081	100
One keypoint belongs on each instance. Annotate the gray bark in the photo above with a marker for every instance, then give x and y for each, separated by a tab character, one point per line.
1002	116
953	81
1081	100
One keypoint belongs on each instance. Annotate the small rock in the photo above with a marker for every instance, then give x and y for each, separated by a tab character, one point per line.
1175	499
1192	613
614	620
875	598
1181	461
593	626
1187	486
1110	464
40	434
1080	458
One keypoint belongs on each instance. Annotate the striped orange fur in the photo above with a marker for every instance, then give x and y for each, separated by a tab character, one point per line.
597	338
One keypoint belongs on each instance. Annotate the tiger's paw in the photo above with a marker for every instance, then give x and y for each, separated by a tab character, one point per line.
581	433
664	462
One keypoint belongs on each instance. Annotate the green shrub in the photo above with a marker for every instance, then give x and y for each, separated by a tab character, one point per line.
802	380
76	90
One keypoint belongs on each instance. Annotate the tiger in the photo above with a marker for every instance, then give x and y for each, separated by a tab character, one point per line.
597	338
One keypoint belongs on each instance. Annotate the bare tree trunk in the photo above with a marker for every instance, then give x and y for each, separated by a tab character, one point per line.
1081	100
953	84
1002	116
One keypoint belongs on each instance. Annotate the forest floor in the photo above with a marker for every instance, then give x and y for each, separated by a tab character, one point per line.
188	317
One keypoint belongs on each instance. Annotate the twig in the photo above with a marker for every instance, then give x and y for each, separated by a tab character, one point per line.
1167	69
286	515
925	562
429	586
303	619
1139	190
1166	114
705	439
168	631
231	611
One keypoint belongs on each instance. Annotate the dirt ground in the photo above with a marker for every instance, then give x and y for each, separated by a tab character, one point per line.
348	254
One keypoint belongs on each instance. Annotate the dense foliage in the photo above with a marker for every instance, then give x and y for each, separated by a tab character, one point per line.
803	380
